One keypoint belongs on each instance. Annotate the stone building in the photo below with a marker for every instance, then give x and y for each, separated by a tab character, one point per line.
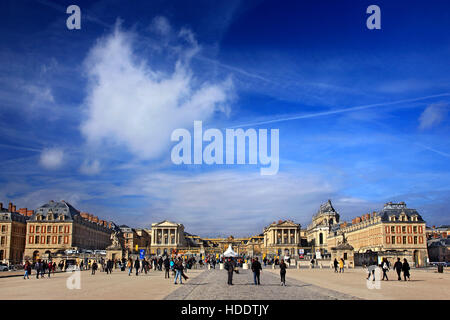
283	237
317	231
167	237
135	239
12	235
58	226
395	231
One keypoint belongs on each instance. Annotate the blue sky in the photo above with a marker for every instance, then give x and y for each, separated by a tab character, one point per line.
363	114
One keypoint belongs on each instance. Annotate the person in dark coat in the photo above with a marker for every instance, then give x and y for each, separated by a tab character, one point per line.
256	268
405	269
167	268
137	264
283	268
336	264
398	268
385	267
94	267
229	266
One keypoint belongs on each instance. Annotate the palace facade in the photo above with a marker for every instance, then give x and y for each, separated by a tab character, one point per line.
283	238
395	231
317	232
58	226
12	235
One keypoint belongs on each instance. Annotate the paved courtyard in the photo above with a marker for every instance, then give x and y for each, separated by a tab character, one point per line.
117	286
212	284
425	283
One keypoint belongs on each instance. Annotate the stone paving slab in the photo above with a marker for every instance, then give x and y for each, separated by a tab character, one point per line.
212	285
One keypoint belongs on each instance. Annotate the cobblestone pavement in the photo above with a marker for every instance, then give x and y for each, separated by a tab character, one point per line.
212	285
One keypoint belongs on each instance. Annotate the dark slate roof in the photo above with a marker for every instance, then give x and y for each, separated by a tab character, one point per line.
5	215
61	207
396	209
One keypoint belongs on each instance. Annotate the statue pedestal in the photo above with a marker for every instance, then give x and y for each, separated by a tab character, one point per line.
114	253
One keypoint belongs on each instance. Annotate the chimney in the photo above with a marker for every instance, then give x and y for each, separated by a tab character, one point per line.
1	205
10	207
13	209
23	211
30	213
344	224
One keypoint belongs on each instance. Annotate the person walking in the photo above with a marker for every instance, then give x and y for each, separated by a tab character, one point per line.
336	264
385	268
398	268
167	268
37	267
371	269
256	268
49	266
405	269
26	275
137	264
94	267
229	266
130	266
283	268
178	266
42	266
341	265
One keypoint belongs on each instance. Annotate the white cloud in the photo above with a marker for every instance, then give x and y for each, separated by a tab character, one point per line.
90	167
52	158
130	103
433	115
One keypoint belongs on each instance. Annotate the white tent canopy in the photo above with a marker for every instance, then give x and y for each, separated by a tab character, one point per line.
229	252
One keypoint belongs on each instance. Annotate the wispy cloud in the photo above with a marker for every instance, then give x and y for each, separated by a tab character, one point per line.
52	158
433	114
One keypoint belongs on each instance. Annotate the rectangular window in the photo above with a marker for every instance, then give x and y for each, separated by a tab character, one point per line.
48	239
392	229
386	229
420	229
403	229
404	240
409	229
59	239
388	240
38	229
3	228
30	240
415	239
66	239
44	229
410	240
31	229
415	229
55	229
393	240
60	229
399	229
36	239
420	240
54	239
399	240
2	241
42	239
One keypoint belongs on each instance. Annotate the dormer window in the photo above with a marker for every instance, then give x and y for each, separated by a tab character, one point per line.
61	217
392	218
39	217
50	216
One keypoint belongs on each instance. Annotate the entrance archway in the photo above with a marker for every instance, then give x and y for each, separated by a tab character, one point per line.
35	255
